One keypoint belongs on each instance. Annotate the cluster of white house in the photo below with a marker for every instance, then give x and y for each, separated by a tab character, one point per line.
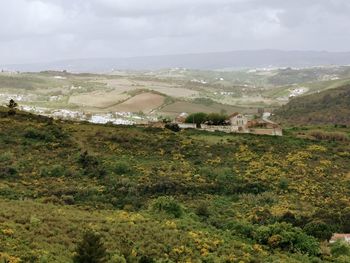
236	123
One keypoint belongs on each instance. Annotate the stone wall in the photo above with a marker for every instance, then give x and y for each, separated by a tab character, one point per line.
275	131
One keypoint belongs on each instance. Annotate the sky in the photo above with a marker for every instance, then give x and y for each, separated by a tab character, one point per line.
48	30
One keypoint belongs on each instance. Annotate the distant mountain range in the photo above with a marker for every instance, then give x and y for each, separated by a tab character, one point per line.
204	61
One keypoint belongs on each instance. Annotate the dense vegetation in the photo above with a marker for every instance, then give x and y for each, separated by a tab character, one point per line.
327	107
211	118
152	195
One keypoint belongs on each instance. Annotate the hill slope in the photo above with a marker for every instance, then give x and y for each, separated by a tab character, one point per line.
171	197
327	107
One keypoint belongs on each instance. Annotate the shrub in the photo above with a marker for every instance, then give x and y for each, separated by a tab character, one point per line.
244	229
48	134
8	172
91	165
90	249
173	127
330	136
117	259
167	205
122	168
284	183
32	133
68	199
145	259
340	248
203	210
319	229
287	237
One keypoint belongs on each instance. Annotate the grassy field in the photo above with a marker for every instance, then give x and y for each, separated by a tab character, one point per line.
145	102
190	196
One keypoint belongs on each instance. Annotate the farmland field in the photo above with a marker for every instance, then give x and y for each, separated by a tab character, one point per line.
98	99
167	92
145	102
190	107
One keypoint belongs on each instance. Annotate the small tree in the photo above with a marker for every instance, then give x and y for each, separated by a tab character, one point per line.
90	249
319	229
197	118
216	119
12	107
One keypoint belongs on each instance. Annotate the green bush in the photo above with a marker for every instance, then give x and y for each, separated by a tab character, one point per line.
287	237
117	259
173	127
90	249
167	205
91	165
68	199
284	184
319	229
47	134
202	209
32	133
8	172
122	168
340	248
243	229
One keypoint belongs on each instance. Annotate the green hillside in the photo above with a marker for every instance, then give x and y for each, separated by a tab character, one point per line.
327	107
159	196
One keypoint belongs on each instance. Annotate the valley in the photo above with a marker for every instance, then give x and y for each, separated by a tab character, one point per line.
165	92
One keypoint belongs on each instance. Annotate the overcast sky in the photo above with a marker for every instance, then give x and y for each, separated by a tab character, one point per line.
45	30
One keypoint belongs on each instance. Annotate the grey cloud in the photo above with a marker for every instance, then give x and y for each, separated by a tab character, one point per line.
38	30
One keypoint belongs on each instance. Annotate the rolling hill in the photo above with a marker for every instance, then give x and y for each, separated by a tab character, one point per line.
327	107
159	196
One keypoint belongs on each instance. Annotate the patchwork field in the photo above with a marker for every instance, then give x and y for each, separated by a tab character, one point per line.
167	92
99	99
169	88
145	102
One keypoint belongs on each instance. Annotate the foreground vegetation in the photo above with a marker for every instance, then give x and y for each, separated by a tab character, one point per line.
158	196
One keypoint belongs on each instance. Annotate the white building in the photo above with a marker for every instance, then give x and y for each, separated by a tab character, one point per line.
238	120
